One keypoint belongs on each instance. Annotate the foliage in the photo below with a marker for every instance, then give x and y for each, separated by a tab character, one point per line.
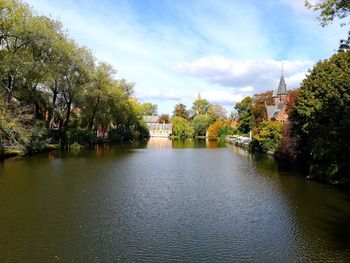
199	106
292	100
200	124
221	128
289	148
259	106
245	115
330	9
182	127
148	109
164	118
217	112
38	139
322	118
181	111
225	131
59	85
267	136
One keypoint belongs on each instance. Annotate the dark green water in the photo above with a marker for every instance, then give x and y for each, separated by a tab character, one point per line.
166	202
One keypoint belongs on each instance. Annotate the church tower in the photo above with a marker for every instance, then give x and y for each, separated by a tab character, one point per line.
280	94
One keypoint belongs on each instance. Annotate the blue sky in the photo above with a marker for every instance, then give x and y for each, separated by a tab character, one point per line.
173	50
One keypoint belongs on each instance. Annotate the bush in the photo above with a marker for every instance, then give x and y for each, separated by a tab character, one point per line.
38	138
268	136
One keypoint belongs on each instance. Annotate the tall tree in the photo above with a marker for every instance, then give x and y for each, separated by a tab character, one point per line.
245	115
322	118
181	111
149	109
199	106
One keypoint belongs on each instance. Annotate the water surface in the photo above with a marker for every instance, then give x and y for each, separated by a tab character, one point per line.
167	201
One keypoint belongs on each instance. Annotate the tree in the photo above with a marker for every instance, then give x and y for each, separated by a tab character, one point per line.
181	111
200	124
292	100
217	112
322	118
164	118
329	10
200	106
148	109
221	128
245	115
181	127
51	86
288	150
259	106
99	92
268	136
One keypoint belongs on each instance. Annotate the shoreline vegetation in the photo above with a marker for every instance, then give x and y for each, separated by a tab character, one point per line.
55	92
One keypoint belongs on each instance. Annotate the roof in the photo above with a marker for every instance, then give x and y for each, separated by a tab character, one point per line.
282	88
273	110
270	109
150	119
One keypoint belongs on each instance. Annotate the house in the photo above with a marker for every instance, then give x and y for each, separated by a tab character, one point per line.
156	129
277	111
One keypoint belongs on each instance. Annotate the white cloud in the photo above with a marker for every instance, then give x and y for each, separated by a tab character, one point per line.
246	75
246	89
160	95
226	98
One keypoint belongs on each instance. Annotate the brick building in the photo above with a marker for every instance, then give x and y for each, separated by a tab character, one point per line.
277	111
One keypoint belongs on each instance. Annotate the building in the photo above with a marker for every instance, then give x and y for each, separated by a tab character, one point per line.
156	129
277	111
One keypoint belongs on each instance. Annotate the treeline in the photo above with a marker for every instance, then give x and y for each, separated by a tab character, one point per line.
54	90
197	121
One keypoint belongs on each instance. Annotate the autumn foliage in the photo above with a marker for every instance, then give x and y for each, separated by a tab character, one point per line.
214	129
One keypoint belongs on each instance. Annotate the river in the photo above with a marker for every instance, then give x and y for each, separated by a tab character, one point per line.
164	201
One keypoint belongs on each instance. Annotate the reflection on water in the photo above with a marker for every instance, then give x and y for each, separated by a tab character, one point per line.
163	200
183	143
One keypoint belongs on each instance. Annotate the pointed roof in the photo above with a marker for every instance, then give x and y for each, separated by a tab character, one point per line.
282	87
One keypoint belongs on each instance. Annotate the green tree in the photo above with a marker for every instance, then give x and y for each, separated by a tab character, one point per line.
182	127
149	109
322	118
199	106
200	124
245	115
268	136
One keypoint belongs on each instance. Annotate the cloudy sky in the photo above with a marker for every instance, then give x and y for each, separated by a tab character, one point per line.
173	49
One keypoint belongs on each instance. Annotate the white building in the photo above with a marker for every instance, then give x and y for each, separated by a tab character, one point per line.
156	129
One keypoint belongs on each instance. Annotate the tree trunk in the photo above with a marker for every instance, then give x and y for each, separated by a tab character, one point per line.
51	116
69	105
94	113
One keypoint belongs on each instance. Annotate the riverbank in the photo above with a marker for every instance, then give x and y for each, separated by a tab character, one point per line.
12	152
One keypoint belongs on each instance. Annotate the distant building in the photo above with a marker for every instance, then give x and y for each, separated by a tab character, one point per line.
277	111
156	129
